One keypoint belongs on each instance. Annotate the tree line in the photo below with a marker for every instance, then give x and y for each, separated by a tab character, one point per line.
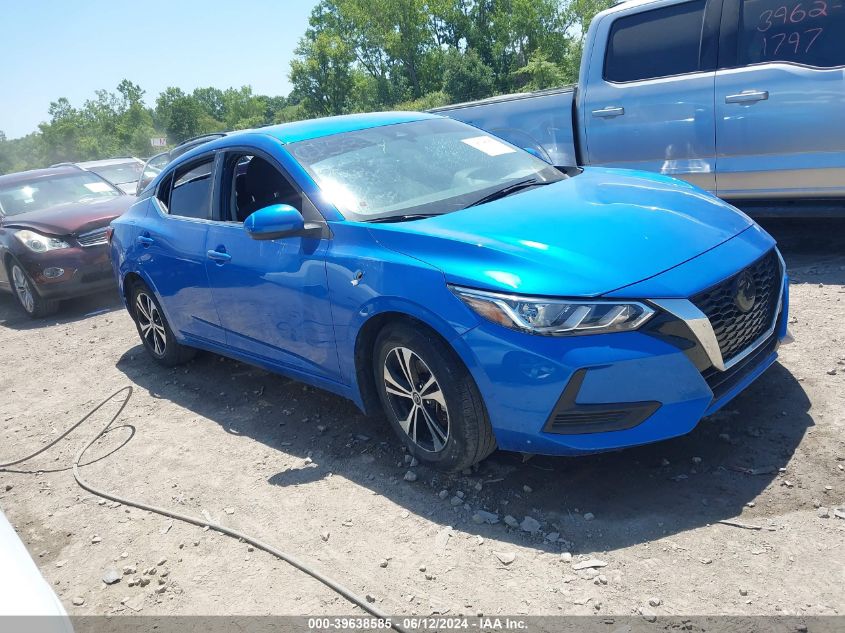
355	56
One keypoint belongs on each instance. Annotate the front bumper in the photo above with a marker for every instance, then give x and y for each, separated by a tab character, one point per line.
84	270
585	394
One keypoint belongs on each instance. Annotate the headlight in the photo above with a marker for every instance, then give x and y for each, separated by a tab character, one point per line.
40	243
555	317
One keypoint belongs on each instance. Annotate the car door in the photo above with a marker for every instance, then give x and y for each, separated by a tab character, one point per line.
173	253
647	103
271	295
779	99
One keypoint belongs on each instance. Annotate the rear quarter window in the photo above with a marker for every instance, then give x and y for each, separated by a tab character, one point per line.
190	195
658	43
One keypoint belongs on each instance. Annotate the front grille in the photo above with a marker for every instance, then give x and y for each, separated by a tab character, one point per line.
736	330
94	238
720	382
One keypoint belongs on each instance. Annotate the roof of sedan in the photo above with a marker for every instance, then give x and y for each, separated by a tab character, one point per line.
35	174
107	162
315	128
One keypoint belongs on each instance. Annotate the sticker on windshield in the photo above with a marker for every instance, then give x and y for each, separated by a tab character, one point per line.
97	187
488	145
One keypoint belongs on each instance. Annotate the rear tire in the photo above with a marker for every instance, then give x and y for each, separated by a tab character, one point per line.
154	329
27	295
430	399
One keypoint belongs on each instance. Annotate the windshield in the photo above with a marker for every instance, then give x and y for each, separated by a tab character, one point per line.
42	193
425	167
121	173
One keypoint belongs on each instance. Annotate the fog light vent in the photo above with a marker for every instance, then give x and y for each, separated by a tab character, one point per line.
52	273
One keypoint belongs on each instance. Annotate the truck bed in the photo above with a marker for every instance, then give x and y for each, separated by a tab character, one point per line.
542	121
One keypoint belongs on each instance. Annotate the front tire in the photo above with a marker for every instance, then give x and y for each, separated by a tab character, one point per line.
154	329
430	398
27	295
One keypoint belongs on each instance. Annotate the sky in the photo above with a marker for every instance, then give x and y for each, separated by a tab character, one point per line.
59	48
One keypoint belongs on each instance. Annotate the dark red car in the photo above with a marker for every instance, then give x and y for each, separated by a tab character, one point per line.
53	235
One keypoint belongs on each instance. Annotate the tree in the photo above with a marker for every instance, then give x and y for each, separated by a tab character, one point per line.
322	74
179	115
466	77
539	73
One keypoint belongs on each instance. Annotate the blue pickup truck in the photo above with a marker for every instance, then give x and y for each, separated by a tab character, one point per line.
744	98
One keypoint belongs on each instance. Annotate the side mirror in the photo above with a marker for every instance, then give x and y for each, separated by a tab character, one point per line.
273	222
538	153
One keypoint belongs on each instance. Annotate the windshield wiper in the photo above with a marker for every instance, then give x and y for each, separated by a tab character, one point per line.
509	189
403	218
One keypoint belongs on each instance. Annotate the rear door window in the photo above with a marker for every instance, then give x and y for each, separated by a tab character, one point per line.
808	33
190	194
658	43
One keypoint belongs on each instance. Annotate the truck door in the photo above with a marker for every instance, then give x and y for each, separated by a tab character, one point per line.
780	96
647	98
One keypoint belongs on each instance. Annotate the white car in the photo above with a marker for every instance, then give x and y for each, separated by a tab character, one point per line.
124	173
23	590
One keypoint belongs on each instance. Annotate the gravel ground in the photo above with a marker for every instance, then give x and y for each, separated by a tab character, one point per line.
302	469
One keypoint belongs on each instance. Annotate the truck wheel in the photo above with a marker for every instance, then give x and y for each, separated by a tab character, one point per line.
27	296
430	398
154	330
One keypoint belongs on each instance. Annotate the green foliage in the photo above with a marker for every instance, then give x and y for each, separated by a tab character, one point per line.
540	73
466	77
322	75
355	56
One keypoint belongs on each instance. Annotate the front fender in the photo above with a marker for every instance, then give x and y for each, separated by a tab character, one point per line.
367	281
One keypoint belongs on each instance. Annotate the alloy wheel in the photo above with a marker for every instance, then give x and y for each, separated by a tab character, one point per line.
23	289
150	323
417	399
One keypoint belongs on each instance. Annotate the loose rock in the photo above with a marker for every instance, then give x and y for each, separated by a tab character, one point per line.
482	516
506	558
589	564
530	524
111	577
410	476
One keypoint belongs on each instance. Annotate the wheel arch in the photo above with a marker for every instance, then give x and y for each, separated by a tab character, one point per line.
365	348
129	280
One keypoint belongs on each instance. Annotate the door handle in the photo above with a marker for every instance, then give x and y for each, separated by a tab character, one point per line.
144	240
219	256
609	112
748	96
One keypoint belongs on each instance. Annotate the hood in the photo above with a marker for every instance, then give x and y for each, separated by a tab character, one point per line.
584	236
71	219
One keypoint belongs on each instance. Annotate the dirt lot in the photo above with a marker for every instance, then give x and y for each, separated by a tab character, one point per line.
304	470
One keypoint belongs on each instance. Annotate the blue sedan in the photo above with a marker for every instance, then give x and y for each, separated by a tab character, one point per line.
474	294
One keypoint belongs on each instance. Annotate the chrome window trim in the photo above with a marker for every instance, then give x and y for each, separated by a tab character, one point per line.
701	327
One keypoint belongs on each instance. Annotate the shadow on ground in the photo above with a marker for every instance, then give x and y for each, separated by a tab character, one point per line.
814	249
636	495
71	310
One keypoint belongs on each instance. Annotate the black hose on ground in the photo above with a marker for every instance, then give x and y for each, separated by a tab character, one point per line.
199	521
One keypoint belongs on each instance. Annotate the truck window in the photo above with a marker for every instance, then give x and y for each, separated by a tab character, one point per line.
807	33
658	43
